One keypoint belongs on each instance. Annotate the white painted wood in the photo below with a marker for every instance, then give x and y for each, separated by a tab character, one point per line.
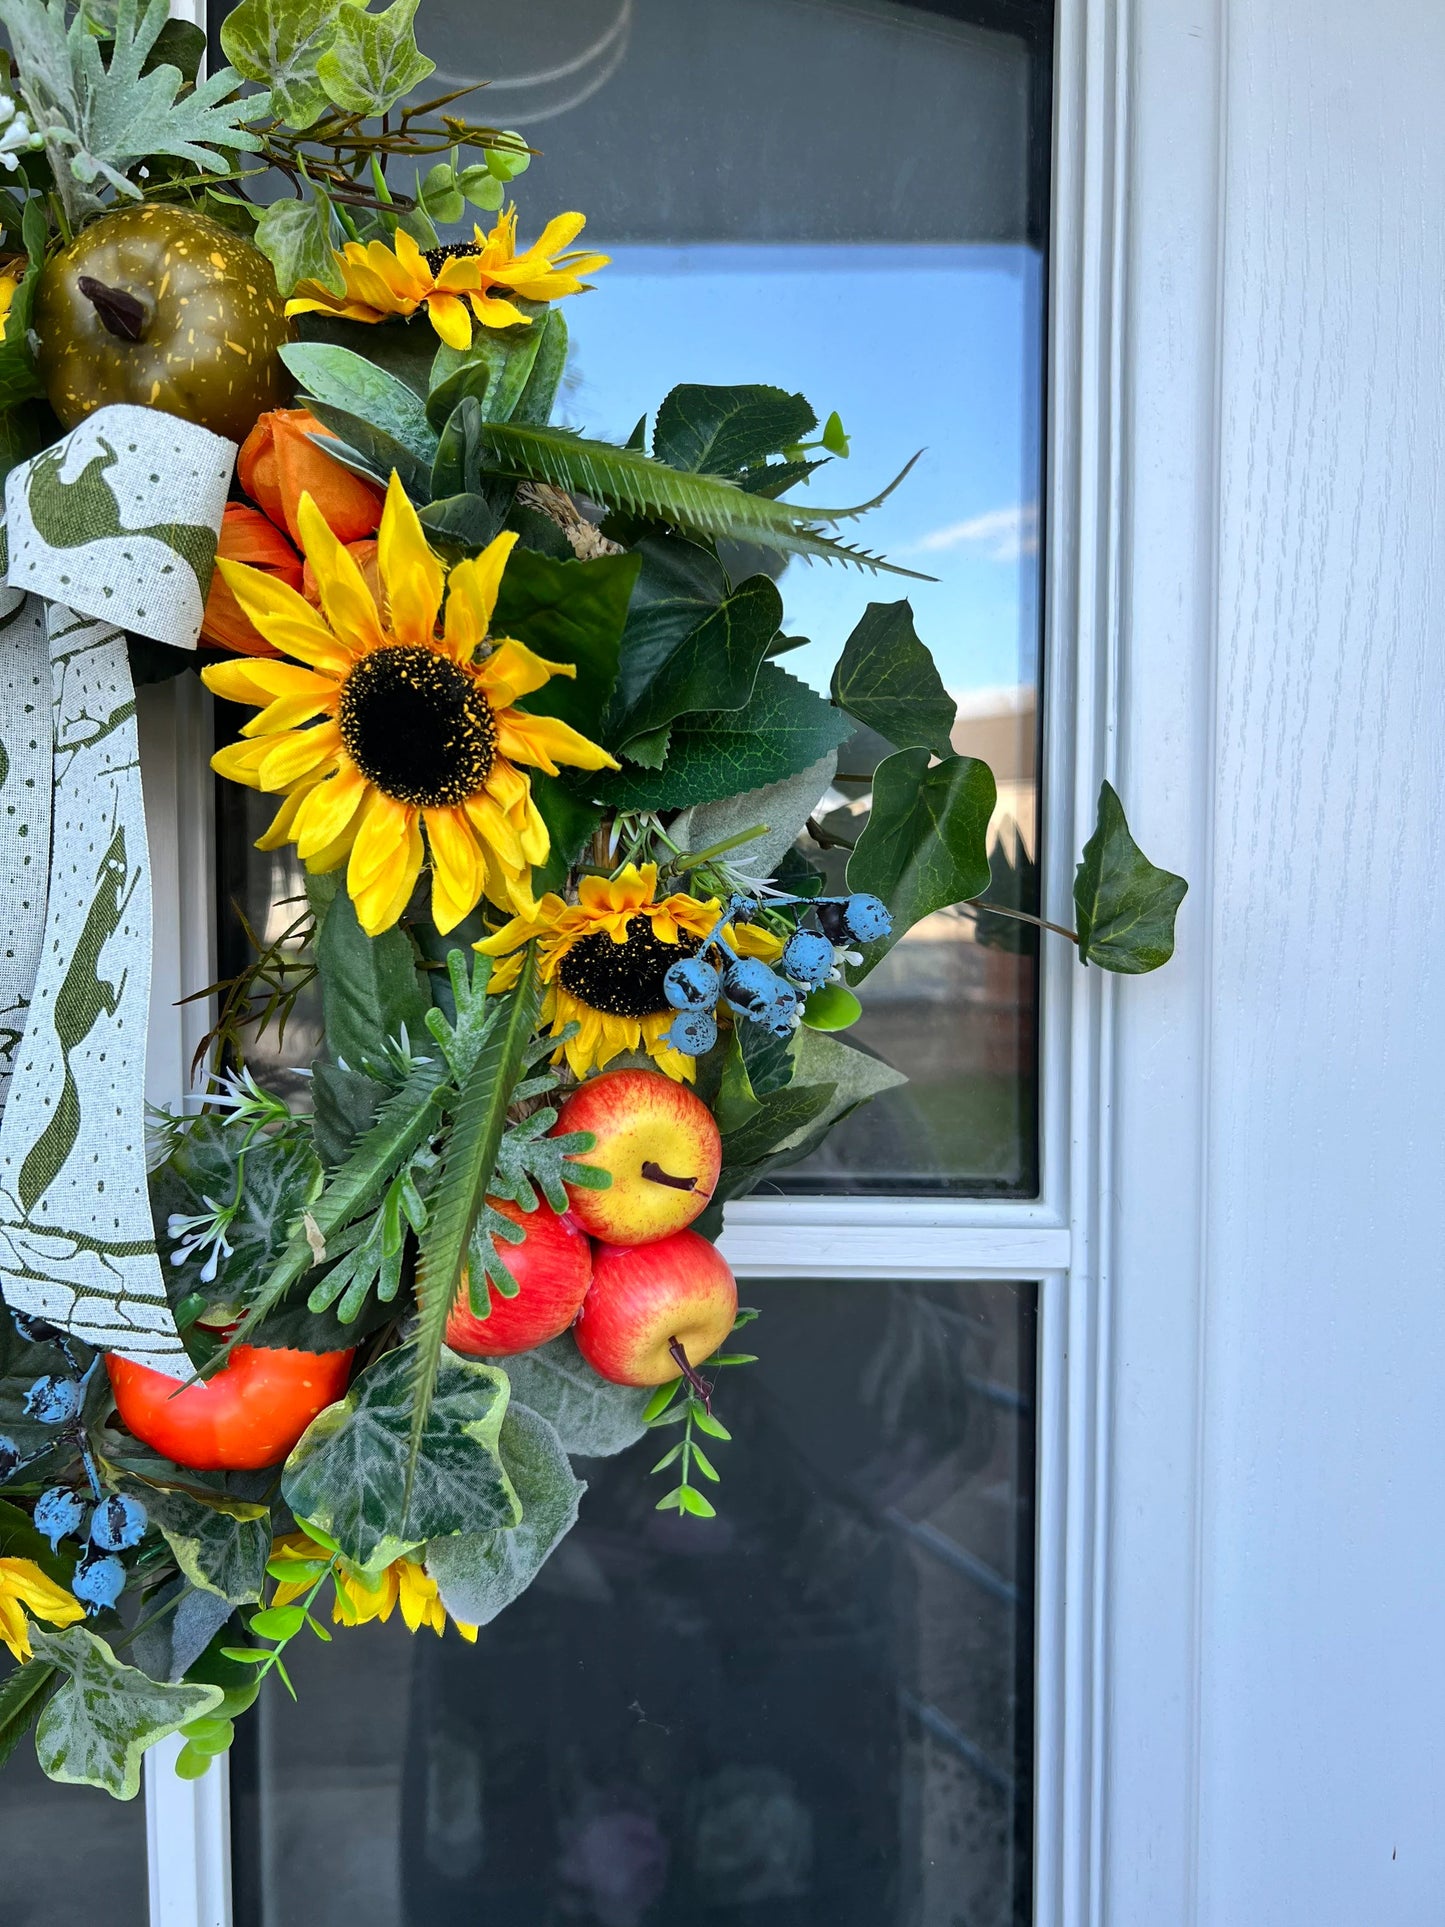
858	1248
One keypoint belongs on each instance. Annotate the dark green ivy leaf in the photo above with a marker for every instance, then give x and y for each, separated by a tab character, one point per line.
725	431
568	611
889	681
1125	905
713	667
925	845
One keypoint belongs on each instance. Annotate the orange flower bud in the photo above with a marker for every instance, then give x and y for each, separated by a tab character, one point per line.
279	463
246	536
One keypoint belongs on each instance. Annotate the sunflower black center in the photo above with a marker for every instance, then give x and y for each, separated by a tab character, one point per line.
624	979
437	258
418	726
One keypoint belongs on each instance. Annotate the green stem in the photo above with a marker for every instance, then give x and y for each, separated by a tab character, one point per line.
1020	916
693	858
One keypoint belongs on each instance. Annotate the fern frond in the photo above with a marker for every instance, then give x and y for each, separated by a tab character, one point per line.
709	505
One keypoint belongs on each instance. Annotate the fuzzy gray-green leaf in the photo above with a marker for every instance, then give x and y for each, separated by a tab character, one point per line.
591	1416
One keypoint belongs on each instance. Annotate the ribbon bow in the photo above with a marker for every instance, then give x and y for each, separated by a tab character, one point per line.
113	528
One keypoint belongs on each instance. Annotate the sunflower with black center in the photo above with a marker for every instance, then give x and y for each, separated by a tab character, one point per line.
385	724
455	284
602	961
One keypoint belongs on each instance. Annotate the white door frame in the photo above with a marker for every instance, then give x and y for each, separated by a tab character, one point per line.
1182	272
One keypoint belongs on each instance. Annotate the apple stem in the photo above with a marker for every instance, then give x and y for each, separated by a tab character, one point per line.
698	1383
121	314
658	1176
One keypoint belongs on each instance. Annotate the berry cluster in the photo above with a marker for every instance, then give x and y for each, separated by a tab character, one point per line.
773	998
104	1524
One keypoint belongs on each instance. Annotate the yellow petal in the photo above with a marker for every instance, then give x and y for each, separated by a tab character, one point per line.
545	742
23	1580
380	839
375	909
558	233
286	619
251	679
298	754
292	712
279	829
241	763
448	315
456	867
326	811
411	573
750	940
513	671
491	825
349	605
472	596
495	313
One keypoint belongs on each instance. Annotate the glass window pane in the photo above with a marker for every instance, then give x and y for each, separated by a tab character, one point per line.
69	1855
849	198
814	1711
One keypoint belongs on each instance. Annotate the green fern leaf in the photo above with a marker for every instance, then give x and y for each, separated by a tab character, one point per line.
708	505
478	1122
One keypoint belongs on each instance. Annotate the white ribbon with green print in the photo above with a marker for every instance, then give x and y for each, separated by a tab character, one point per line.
114	528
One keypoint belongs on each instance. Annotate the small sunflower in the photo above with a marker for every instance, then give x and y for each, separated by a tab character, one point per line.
603	960
454	283
24	1588
383	726
359	1597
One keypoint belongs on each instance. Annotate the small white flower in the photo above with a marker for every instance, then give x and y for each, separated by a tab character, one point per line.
17	136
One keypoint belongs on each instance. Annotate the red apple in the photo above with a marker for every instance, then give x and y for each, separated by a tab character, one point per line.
661	1146
552	1266
642	1297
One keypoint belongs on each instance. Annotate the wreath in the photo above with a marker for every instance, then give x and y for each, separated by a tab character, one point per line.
521	701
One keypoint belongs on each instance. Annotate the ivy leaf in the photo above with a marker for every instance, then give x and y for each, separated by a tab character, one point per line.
279	43
887	679
679	586
350	382
712	668
725	431
591	1416
782	729
478	1574
222	1548
298	238
569	611
1125	905
926	841
105	1715
374	59
350	1472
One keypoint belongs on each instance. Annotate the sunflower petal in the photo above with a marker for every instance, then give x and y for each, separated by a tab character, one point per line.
327	810
513	671
545	741
381	839
285	618
297	754
347	602
456	867
448	315
412	575
472	589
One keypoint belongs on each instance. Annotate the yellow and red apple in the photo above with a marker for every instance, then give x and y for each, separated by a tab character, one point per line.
660	1145
643	1299
553	1268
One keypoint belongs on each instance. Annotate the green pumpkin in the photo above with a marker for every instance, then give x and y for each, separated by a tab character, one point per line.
162	307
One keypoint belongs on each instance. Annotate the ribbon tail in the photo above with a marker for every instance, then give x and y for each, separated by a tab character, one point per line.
77	1245
25	777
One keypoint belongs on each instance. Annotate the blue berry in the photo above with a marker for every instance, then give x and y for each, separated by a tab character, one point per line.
54	1400
808	958
118	1522
10	1456
692	1031
750	986
867	918
778	1017
98	1583
691	984
58	1514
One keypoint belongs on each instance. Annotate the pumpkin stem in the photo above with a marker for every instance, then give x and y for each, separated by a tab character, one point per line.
121	313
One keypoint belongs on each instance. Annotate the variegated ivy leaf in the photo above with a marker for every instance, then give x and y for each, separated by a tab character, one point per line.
105	1716
480	1573
279	43
297	238
348	1474
373	59
221	1548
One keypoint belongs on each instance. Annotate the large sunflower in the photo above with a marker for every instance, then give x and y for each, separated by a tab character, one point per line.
382	725
383	282
603	960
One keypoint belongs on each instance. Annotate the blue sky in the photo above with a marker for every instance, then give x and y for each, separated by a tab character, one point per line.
916	347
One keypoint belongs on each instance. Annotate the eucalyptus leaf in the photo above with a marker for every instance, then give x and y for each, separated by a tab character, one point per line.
1124	905
591	1416
298	238
782	729
534	405
279	42
364	389
926	841
479	1574
494	371
568	611
373	59
348	1474
171	1645
462	525
374	452
888	680
783	808
105	1715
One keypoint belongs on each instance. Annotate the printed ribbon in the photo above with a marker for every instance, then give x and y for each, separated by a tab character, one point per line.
114	528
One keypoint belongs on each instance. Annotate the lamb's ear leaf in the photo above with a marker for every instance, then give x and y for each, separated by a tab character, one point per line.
1125	905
